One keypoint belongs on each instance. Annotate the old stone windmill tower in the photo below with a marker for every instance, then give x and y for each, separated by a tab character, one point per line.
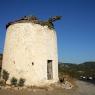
30	51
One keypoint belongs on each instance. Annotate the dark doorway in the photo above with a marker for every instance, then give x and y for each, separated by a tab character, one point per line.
49	70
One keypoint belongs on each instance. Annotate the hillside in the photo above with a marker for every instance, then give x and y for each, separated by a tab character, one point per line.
77	70
0	60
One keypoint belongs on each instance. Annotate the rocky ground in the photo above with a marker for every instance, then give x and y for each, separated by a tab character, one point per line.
81	88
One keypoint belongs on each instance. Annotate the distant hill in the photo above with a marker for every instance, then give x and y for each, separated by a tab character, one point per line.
87	65
76	70
1	56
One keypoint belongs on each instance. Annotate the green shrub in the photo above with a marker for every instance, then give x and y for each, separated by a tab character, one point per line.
5	75
21	82
2	83
14	81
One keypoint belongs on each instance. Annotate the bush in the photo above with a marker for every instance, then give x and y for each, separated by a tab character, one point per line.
21	82
5	75
2	83
14	81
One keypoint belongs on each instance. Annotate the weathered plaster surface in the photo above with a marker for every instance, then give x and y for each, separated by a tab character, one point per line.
26	43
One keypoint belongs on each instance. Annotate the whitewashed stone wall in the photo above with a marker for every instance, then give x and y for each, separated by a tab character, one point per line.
26	43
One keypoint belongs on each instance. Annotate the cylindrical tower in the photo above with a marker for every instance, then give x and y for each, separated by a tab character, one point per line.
30	52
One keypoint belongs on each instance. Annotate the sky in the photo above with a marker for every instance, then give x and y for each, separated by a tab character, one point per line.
75	31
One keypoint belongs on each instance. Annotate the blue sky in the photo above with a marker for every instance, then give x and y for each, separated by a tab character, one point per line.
75	31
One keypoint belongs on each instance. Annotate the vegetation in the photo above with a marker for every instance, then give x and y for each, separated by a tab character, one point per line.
35	20
50	21
14	81
77	70
2	83
5	75
1	56
21	82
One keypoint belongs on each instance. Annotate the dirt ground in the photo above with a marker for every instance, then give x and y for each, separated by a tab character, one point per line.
81	88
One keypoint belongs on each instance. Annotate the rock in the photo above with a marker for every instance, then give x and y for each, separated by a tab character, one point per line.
7	87
67	85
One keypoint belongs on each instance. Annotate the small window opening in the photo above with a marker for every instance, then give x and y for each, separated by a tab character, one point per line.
32	63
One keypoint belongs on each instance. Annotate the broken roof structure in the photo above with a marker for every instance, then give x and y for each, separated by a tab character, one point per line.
35	20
